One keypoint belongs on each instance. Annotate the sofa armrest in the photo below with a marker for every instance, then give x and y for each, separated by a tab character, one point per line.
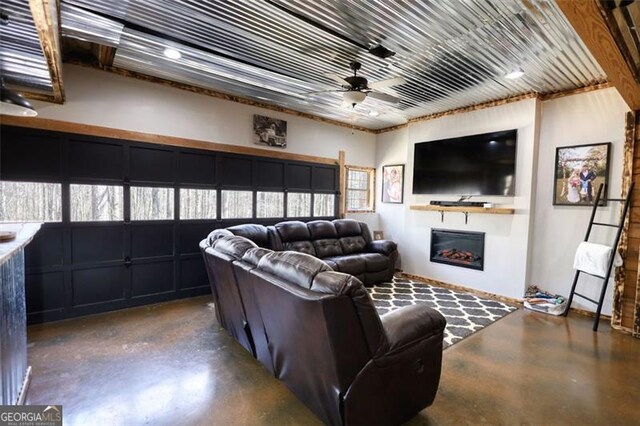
385	247
411	324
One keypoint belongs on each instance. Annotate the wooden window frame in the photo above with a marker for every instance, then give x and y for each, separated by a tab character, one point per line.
371	171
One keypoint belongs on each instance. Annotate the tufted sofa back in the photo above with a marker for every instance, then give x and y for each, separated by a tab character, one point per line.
323	238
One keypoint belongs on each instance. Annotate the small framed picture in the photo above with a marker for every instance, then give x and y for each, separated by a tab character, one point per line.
579	171
378	235
269	131
393	183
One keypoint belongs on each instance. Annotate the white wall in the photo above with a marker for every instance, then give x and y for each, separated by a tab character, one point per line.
592	117
104	99
507	236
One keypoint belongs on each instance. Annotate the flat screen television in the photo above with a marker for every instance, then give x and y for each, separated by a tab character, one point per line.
469	165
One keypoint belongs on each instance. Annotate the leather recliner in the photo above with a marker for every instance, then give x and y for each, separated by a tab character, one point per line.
319	333
344	244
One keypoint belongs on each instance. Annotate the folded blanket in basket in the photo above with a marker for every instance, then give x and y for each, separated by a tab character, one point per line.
593	258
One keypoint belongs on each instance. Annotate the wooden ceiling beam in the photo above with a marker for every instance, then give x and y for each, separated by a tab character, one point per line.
47	21
587	19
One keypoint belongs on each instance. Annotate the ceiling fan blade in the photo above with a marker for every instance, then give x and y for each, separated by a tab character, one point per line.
321	91
384	97
339	79
387	83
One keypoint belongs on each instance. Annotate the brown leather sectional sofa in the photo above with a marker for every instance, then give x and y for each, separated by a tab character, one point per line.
319	333
344	244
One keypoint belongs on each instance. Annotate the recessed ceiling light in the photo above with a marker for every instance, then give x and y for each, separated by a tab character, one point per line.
374	113
515	73
172	53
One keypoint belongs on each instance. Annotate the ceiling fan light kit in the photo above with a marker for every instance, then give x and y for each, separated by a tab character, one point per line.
354	97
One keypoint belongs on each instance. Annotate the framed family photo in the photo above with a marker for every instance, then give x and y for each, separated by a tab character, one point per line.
579	171
393	183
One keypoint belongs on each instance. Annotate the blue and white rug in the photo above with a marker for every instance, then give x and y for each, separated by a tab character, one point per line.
465	312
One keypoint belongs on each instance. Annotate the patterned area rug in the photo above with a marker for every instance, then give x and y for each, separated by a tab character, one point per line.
465	313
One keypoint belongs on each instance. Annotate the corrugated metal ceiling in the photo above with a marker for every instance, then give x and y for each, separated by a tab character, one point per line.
451	53
22	62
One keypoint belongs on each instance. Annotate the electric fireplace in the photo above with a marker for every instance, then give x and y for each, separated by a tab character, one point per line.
458	248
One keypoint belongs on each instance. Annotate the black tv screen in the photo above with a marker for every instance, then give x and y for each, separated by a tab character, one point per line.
469	165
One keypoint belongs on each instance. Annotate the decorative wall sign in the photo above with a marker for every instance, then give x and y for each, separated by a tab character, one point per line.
579	171
269	131
393	183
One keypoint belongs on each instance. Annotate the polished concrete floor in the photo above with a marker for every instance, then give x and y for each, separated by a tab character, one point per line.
171	364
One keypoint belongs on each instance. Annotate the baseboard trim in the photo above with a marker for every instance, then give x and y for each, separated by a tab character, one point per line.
505	299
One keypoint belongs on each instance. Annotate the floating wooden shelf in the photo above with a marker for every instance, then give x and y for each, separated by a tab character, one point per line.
463	209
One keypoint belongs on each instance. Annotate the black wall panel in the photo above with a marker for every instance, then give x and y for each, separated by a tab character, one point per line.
298	176
151	240
191	233
97	243
325	178
269	174
95	160
79	268
45	292
152	278
235	171
46	249
98	285
151	165
193	273
30	156
196	168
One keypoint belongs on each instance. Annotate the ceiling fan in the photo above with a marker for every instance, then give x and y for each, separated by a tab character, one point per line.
356	88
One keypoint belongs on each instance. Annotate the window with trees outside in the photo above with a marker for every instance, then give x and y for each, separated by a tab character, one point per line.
324	205
198	203
298	204
360	194
237	204
269	204
30	202
151	203
97	203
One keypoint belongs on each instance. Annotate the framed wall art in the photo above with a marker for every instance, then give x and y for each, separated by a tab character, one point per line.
269	131
579	171
393	183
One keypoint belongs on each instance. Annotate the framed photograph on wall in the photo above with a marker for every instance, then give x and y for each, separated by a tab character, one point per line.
393	183
269	131
579	171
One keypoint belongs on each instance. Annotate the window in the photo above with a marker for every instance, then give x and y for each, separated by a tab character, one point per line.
198	203
30	202
298	204
324	205
270	204
151	203
237	204
360	189
96	203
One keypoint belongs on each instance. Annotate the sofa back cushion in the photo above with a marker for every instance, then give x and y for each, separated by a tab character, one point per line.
297	268
256	233
327	248
295	236
233	246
